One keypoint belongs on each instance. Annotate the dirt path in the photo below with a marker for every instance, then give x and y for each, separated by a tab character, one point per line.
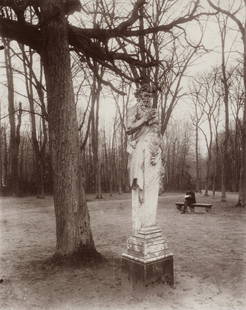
209	256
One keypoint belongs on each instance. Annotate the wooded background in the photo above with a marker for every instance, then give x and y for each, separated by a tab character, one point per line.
202	151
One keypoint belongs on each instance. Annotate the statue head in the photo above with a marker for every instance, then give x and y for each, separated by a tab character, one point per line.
144	94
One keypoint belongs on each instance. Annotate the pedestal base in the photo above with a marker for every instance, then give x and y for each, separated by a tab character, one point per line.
143	274
147	259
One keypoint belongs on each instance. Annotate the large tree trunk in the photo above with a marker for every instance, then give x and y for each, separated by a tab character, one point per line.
72	218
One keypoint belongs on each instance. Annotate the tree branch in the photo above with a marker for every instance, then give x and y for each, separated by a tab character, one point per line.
134	16
23	33
93	43
232	16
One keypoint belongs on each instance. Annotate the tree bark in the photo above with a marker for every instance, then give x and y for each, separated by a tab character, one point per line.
72	218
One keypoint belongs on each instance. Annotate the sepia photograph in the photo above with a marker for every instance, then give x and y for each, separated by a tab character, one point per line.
122	154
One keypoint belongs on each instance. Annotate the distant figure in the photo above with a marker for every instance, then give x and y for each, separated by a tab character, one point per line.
190	198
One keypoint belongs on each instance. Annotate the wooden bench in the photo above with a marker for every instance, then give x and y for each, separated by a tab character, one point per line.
207	206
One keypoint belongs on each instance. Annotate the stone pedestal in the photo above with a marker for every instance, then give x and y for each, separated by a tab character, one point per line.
147	259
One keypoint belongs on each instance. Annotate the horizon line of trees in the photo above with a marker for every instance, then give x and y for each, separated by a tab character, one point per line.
179	162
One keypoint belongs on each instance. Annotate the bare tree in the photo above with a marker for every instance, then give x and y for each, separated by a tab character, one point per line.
96	91
39	145
205	92
196	121
236	99
14	142
234	15
225	82
178	160
122	104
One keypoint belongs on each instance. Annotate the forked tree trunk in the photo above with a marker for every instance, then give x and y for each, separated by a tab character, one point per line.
72	218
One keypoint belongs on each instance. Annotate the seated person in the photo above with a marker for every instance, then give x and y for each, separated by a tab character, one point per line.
190	198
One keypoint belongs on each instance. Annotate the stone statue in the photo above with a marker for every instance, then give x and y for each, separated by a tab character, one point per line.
147	259
144	159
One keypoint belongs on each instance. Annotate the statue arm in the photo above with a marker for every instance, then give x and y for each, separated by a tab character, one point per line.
134	124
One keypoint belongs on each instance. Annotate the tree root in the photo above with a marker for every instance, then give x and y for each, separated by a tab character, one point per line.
79	258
